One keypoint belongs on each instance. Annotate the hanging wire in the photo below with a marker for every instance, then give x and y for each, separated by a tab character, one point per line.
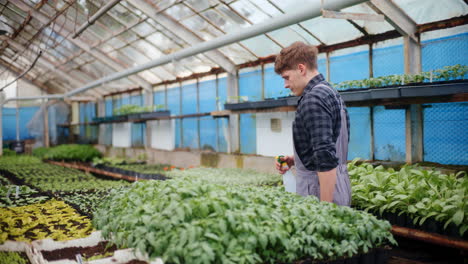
38	33
24	73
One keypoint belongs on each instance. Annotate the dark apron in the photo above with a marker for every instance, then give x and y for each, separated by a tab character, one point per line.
307	182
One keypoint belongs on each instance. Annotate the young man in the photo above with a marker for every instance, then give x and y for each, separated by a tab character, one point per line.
320	128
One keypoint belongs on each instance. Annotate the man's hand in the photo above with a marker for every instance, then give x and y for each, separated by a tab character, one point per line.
327	180
289	160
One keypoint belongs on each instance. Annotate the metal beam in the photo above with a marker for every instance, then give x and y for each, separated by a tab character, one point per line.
309	12
81	44
95	17
396	17
178	30
352	16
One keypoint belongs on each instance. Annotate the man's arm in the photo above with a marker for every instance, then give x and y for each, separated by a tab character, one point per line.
327	180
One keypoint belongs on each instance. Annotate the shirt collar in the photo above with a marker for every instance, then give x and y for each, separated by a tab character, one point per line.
312	83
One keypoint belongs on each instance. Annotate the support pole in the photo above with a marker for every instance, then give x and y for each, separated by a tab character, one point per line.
414	124
233	142
46	126
148	100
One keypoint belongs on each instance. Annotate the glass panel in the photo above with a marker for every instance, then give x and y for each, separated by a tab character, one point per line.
306	36
124	14
143	29
249	11
225	23
237	54
201	5
162	42
425	11
286	36
321	28
148	75
202	28
162	73
117	44
135	55
179	12
261	46
151	51
100	31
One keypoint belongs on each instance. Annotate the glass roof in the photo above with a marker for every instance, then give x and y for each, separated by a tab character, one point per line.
127	36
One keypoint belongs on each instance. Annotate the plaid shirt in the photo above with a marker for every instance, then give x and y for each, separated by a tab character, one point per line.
317	125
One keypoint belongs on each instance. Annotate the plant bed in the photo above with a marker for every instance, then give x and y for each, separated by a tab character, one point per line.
49	177
13	258
52	219
209	223
102	248
156	114
430	225
131	173
412	197
85	202
286	101
229	176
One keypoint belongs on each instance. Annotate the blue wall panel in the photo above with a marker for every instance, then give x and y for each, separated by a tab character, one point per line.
159	98
388	61
274	84
446	51
178	140
208	133
223	126
108	134
222	93
108	107
445	133
353	66
248	134
322	67
189	99
360	133
173	100
207	91
190	133
389	134
250	85
9	122
125	100
136	100
138	134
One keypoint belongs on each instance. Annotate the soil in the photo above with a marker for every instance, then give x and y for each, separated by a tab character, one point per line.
135	261
86	252
418	252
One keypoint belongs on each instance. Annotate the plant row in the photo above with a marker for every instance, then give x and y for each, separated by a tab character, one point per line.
13	258
135	109
447	73
189	220
52	219
71	152
414	193
229	176
48	177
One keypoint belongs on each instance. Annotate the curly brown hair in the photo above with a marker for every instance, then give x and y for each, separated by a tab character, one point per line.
296	53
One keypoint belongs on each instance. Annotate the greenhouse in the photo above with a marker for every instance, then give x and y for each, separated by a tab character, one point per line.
233	131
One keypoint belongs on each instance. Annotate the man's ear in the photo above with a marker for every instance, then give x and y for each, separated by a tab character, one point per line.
302	68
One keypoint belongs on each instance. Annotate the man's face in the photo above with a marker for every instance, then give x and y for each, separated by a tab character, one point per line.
294	80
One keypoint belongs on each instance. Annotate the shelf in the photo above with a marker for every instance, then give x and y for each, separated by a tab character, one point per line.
451	91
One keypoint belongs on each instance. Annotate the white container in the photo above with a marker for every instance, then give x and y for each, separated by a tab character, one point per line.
289	181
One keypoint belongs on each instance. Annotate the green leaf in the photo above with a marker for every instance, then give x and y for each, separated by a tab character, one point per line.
458	217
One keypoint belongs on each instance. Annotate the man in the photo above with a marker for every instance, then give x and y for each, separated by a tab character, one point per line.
320	128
